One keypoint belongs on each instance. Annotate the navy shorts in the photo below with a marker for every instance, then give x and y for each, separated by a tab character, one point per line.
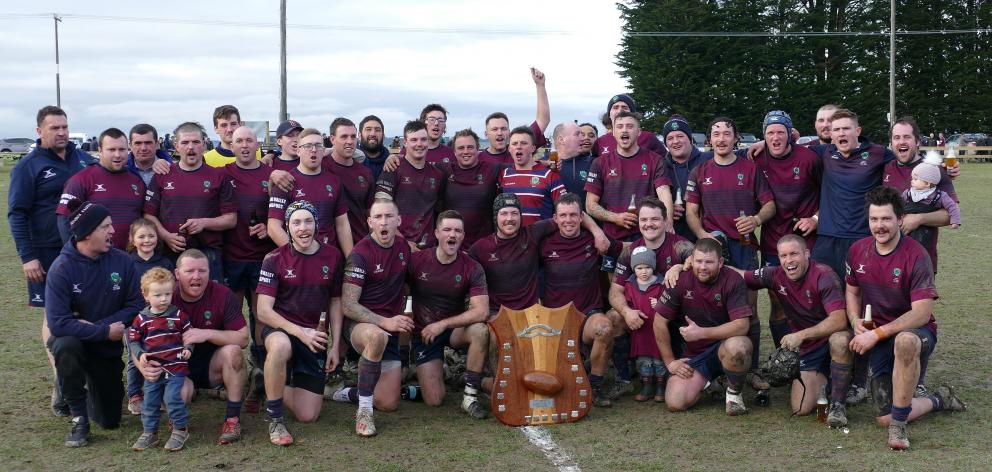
424	353
199	364
241	276
882	356
817	360
833	252
741	256
392	352
770	260
36	291
708	362
305	368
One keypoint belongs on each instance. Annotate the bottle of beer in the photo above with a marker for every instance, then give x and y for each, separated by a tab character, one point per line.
797	231
678	197
867	322
821	405
322	324
745	238
184	233
553	159
632	207
411	393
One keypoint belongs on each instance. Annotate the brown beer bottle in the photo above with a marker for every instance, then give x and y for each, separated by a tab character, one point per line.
322	324
867	322
745	238
632	207
553	159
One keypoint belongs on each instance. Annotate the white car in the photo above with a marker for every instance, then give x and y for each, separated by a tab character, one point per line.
16	145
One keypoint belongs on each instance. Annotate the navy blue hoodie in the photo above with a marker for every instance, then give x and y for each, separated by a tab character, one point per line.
375	163
101	291
36	184
131	166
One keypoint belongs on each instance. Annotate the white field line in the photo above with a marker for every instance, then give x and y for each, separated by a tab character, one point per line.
539	437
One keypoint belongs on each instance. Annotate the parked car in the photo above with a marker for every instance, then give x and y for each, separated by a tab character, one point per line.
806	140
699	139
16	145
747	139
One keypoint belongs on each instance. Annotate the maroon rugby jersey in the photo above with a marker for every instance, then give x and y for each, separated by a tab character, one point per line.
504	157
161	337
380	272
665	257
302	284
281	164
416	193
441	291
437	155
571	271
250	188
359	189
218	308
183	194
615	179
724	191
323	190
706	304
471	192
642	340
121	192
891	283
795	182
807	301
511	265
607	143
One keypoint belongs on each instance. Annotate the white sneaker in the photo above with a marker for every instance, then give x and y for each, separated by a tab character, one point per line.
735	404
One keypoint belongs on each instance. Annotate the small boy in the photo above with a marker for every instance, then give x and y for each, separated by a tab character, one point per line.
641	292
157	335
923	196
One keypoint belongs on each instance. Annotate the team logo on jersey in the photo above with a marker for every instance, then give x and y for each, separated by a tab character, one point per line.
606	149
717	299
49	173
378	269
289	274
265	184
478	178
330	188
781	289
445	160
115	278
583	174
325	270
613	173
809	297
300	193
234	184
668	260
886	178
708	181
795	173
535	180
423	276
172	324
895	275
100	188
553	255
134	188
37	298
431	180
76	288
206	186
207	314
406	180
401	256
740	180
688	295
458	279
169	186
864	158
861	269
361	180
644	169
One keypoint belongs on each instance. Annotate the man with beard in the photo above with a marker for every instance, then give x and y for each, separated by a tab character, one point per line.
36	184
573	164
319	187
471	186
822	124
145	158
624	103
536	186
372	133
227	118
892	274
619	179
286	138
92	294
108	184
571	270
793	173
712	302
190	206
441	280
498	126
415	186
683	156
299	288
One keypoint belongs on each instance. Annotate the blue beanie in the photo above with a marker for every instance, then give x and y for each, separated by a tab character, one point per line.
623	97
676	123
778	117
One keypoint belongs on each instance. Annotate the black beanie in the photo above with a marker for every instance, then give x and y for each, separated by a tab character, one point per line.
85	219
504	200
623	97
676	123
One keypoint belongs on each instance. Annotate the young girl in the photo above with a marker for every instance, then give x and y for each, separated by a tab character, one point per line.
642	291
143	247
923	196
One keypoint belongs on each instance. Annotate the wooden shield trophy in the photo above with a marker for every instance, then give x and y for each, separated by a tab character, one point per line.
540	378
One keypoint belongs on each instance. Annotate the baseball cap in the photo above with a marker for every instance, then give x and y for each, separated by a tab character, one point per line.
286	126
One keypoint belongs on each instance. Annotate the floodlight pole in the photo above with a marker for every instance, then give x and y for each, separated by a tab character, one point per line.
283	115
892	61
58	84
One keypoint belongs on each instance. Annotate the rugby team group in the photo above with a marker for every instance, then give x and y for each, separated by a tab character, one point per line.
142	261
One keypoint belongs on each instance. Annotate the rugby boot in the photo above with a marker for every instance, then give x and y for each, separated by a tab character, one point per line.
949	401
837	415
856	394
230	431
735	404
278	434
898	439
472	406
364	423
80	433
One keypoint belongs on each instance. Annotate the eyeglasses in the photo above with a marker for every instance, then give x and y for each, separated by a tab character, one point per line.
435	121
312	147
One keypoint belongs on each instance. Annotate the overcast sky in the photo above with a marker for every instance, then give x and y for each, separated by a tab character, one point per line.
119	71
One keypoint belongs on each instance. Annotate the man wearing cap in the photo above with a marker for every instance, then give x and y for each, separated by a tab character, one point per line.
146	158
92	294
298	289
793	173
683	156
608	142
286	139
371	135
497	126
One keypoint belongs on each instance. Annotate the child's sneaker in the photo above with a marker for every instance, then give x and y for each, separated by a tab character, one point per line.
177	440
145	441
134	405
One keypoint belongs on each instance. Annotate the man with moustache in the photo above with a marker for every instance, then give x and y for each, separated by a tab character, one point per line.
683	156
146	158
372	133
624	103
497	126
470	187
536	186
415	186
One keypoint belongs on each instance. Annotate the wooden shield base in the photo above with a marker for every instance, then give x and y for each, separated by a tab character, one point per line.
540	378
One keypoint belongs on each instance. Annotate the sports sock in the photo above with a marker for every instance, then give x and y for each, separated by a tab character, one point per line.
754	334
368	376
735	381
779	329
901	413
347	394
860	374
365	402
233	409
473	379
274	408
595	382
840	379
938	404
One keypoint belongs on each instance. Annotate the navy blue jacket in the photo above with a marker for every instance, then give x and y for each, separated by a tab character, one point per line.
375	163
101	291
159	154
573	173
141	266
36	184
679	173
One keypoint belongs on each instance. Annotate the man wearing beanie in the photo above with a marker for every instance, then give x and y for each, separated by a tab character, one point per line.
793	173
91	295
683	156
608	143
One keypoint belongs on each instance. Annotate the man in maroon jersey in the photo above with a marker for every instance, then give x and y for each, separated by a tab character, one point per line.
415	186
373	300
892	274
299	287
190	206
712	302
571	273
440	281
435	119
619	179
793	173
497	126
313	183
286	138
108	184
471	186
219	333
607	143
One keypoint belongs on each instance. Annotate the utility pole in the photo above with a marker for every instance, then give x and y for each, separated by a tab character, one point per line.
892	61
58	85
283	115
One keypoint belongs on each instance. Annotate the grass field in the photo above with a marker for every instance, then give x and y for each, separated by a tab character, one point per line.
630	436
